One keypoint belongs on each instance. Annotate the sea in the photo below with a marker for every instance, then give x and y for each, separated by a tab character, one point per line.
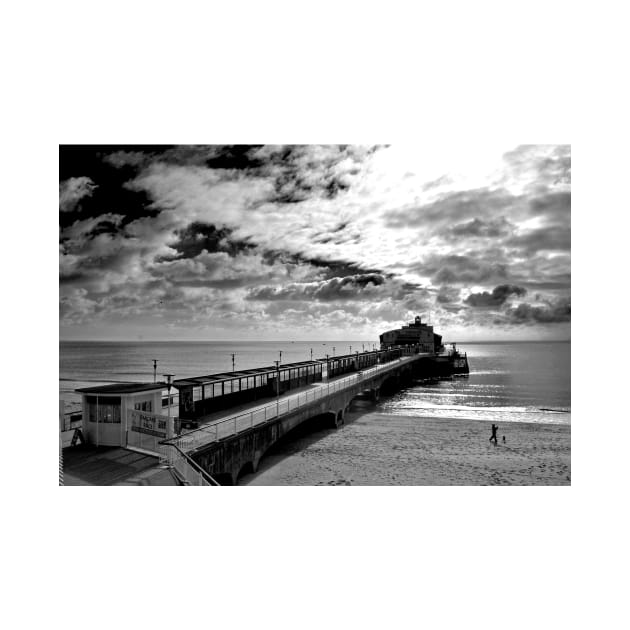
508	382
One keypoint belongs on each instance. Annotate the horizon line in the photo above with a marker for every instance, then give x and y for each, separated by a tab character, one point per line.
291	340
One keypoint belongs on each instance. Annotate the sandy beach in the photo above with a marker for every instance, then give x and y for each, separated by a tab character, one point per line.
382	449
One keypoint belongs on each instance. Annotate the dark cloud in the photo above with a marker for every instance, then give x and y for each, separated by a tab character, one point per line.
473	213
552	238
298	175
348	288
483	228
498	296
328	268
555	313
448	295
563	282
198	236
473	268
555	206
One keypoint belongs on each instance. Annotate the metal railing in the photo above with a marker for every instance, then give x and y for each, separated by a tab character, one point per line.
186	468
236	424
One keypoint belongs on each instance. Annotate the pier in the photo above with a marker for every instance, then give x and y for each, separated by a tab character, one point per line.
230	444
213	429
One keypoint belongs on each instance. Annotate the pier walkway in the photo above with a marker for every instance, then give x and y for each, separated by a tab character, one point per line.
222	425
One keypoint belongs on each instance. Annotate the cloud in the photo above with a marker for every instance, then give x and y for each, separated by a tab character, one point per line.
553	238
526	313
361	286
73	190
472	268
119	159
448	295
498	296
488	228
191	235
475	204
198	237
549	164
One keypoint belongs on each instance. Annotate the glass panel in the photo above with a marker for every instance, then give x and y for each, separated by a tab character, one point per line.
109	413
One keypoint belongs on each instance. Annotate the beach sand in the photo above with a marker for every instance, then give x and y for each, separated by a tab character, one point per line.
382	449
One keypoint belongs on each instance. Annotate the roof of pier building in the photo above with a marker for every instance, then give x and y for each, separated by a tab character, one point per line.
122	388
230	376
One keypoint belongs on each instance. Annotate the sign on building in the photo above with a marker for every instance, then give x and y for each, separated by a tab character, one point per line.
149	423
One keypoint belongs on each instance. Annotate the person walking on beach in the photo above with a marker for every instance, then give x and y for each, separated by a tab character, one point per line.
495	428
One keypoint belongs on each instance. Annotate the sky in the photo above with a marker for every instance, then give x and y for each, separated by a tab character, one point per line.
307	242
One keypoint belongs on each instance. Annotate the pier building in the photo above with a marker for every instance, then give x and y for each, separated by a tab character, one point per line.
126	414
414	333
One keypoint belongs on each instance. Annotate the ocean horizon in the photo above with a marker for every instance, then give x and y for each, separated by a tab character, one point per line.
515	381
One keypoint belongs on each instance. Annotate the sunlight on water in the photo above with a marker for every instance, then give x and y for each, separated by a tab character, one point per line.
526	382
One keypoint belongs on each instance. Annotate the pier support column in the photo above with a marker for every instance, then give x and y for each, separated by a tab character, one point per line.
339	420
375	394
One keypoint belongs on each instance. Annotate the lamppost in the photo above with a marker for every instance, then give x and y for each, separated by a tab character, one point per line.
333	351
280	356
327	368
155	370
350	350
278	386
311	354
232	362
169	382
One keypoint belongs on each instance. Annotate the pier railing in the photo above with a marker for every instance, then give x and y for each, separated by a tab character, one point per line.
233	425
190	473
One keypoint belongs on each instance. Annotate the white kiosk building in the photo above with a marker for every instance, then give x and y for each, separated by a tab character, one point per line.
131	415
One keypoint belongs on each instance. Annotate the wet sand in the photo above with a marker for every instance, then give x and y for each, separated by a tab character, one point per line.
374	449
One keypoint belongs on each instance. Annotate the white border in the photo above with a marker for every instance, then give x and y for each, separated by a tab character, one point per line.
342	72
